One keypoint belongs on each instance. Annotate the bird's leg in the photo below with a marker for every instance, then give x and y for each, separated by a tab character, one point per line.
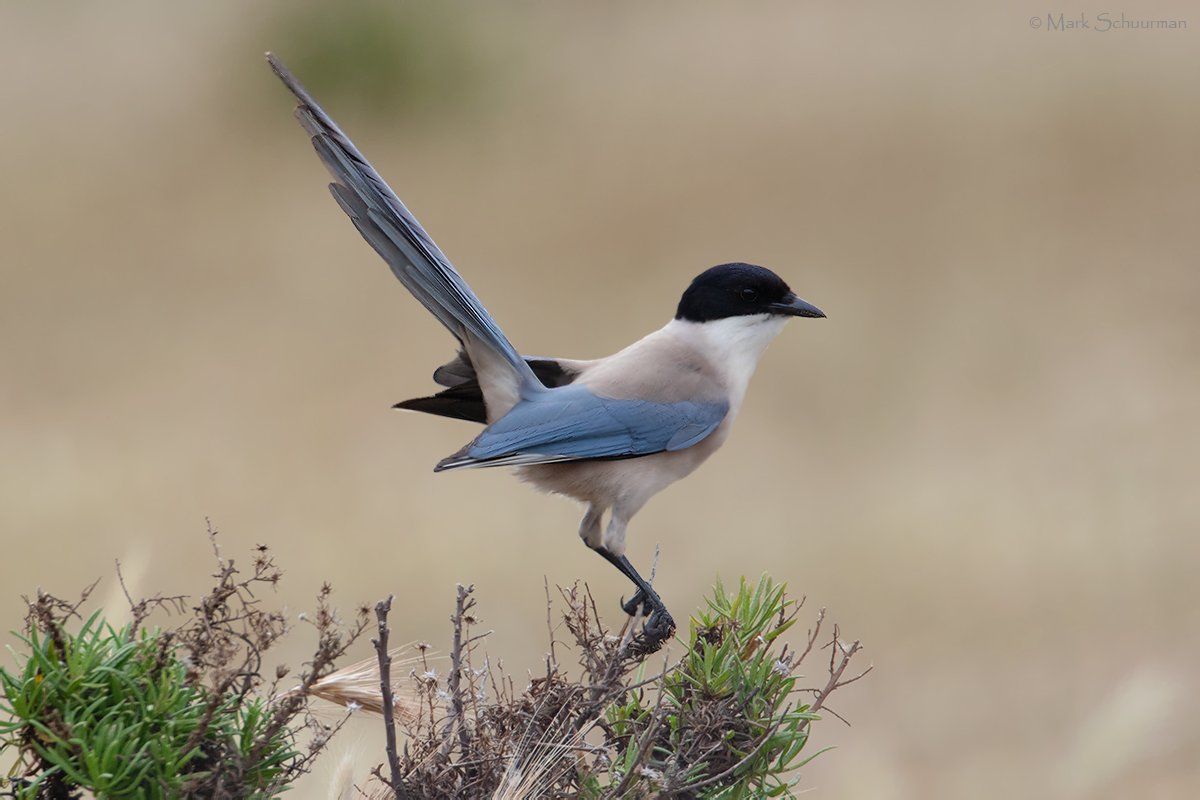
644	590
589	527
659	624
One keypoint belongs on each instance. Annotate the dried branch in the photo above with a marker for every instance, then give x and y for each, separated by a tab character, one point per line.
141	609
839	658
463	603
382	608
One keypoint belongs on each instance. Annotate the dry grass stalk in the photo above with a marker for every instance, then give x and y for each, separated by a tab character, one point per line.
356	687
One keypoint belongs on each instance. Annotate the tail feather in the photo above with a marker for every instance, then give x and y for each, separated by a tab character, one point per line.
464	401
388	226
457	370
463	397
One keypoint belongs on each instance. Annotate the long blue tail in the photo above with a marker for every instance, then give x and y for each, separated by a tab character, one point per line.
394	232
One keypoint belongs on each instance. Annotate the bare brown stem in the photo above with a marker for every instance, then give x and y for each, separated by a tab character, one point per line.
463	603
382	609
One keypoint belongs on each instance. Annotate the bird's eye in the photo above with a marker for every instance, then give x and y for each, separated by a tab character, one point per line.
749	295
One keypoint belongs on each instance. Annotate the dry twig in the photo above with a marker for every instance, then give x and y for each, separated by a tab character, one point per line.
382	609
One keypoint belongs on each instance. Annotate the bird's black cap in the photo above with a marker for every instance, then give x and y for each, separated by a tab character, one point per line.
737	290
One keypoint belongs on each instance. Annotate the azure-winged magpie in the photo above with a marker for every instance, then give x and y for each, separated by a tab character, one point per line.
610	432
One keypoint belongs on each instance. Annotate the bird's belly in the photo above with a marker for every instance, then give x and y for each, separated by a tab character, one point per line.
629	482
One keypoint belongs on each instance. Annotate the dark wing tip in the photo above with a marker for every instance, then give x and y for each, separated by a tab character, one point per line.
456	461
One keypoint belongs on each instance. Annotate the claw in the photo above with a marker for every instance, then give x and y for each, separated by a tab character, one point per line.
660	625
655	633
631	606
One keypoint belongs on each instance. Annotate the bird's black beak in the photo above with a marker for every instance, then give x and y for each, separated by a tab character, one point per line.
795	307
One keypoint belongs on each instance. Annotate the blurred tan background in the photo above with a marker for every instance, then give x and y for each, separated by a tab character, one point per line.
983	462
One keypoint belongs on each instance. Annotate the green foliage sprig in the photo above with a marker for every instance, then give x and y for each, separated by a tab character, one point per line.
147	713
730	722
113	711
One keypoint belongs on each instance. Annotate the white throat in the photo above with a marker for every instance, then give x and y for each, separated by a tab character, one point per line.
734	344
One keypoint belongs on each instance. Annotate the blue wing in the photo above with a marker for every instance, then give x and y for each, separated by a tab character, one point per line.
572	424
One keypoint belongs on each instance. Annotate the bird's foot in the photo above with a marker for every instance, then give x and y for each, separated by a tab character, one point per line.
632	605
657	630
660	626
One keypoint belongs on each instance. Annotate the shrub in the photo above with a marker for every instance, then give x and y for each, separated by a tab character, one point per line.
139	712
136	712
728	719
114	712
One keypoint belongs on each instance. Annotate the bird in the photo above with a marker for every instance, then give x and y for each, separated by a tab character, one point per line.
609	432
